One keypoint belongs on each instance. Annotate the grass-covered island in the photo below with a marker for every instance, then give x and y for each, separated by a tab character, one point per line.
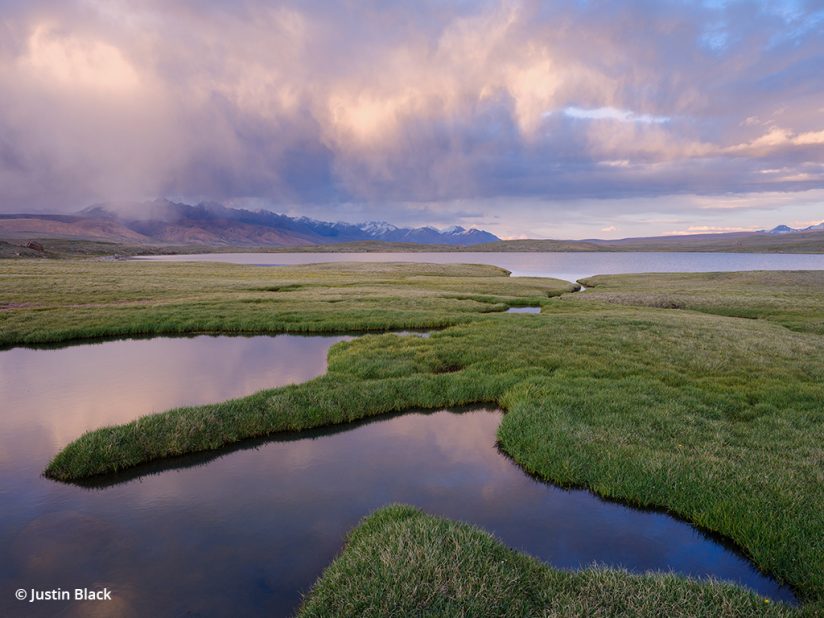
701	394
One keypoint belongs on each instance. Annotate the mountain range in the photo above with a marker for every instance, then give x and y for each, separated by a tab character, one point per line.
786	229
163	226
166	222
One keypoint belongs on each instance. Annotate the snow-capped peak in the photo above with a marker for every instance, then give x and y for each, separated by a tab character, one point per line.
377	227
786	229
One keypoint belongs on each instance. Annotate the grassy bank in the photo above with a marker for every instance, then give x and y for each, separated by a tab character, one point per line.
792	298
401	562
50	302
12	246
715	418
64	248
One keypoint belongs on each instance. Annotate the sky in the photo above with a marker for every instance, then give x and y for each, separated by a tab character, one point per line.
565	119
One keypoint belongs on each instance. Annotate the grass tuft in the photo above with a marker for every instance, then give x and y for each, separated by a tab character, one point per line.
401	562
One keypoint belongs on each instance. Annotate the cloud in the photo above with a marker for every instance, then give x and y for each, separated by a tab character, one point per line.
401	108
776	138
63	61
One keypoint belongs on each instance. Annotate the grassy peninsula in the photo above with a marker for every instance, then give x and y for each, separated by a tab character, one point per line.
401	562
668	397
47	302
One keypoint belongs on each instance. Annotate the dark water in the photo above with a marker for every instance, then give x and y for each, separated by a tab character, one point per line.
569	266
246	531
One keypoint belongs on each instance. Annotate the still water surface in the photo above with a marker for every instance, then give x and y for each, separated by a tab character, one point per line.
568	266
247	531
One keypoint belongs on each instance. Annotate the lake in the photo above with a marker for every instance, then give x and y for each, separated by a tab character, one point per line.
247	530
568	266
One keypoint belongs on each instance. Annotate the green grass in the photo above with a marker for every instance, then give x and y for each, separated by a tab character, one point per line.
59	301
717	419
790	298
402	562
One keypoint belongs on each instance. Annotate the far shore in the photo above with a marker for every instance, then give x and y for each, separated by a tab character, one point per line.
61	248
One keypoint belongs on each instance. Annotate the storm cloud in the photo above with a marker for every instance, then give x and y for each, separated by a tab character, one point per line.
488	113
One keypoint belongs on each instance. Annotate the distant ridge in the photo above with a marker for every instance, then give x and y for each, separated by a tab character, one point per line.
163	226
208	223
786	229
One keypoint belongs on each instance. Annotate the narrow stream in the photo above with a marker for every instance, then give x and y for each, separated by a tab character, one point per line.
246	531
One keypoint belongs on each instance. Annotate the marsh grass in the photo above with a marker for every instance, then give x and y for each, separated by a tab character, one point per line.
402	562
716	419
790	298
57	301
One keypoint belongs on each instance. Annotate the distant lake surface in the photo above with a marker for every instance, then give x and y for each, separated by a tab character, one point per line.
568	266
246	531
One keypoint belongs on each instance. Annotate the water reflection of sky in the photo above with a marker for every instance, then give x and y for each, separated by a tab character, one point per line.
567	266
246	533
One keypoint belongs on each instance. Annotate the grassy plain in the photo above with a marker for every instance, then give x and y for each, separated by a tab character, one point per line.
715	418
790	298
46	301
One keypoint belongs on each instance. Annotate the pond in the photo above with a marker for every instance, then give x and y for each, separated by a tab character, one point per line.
568	266
246	531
